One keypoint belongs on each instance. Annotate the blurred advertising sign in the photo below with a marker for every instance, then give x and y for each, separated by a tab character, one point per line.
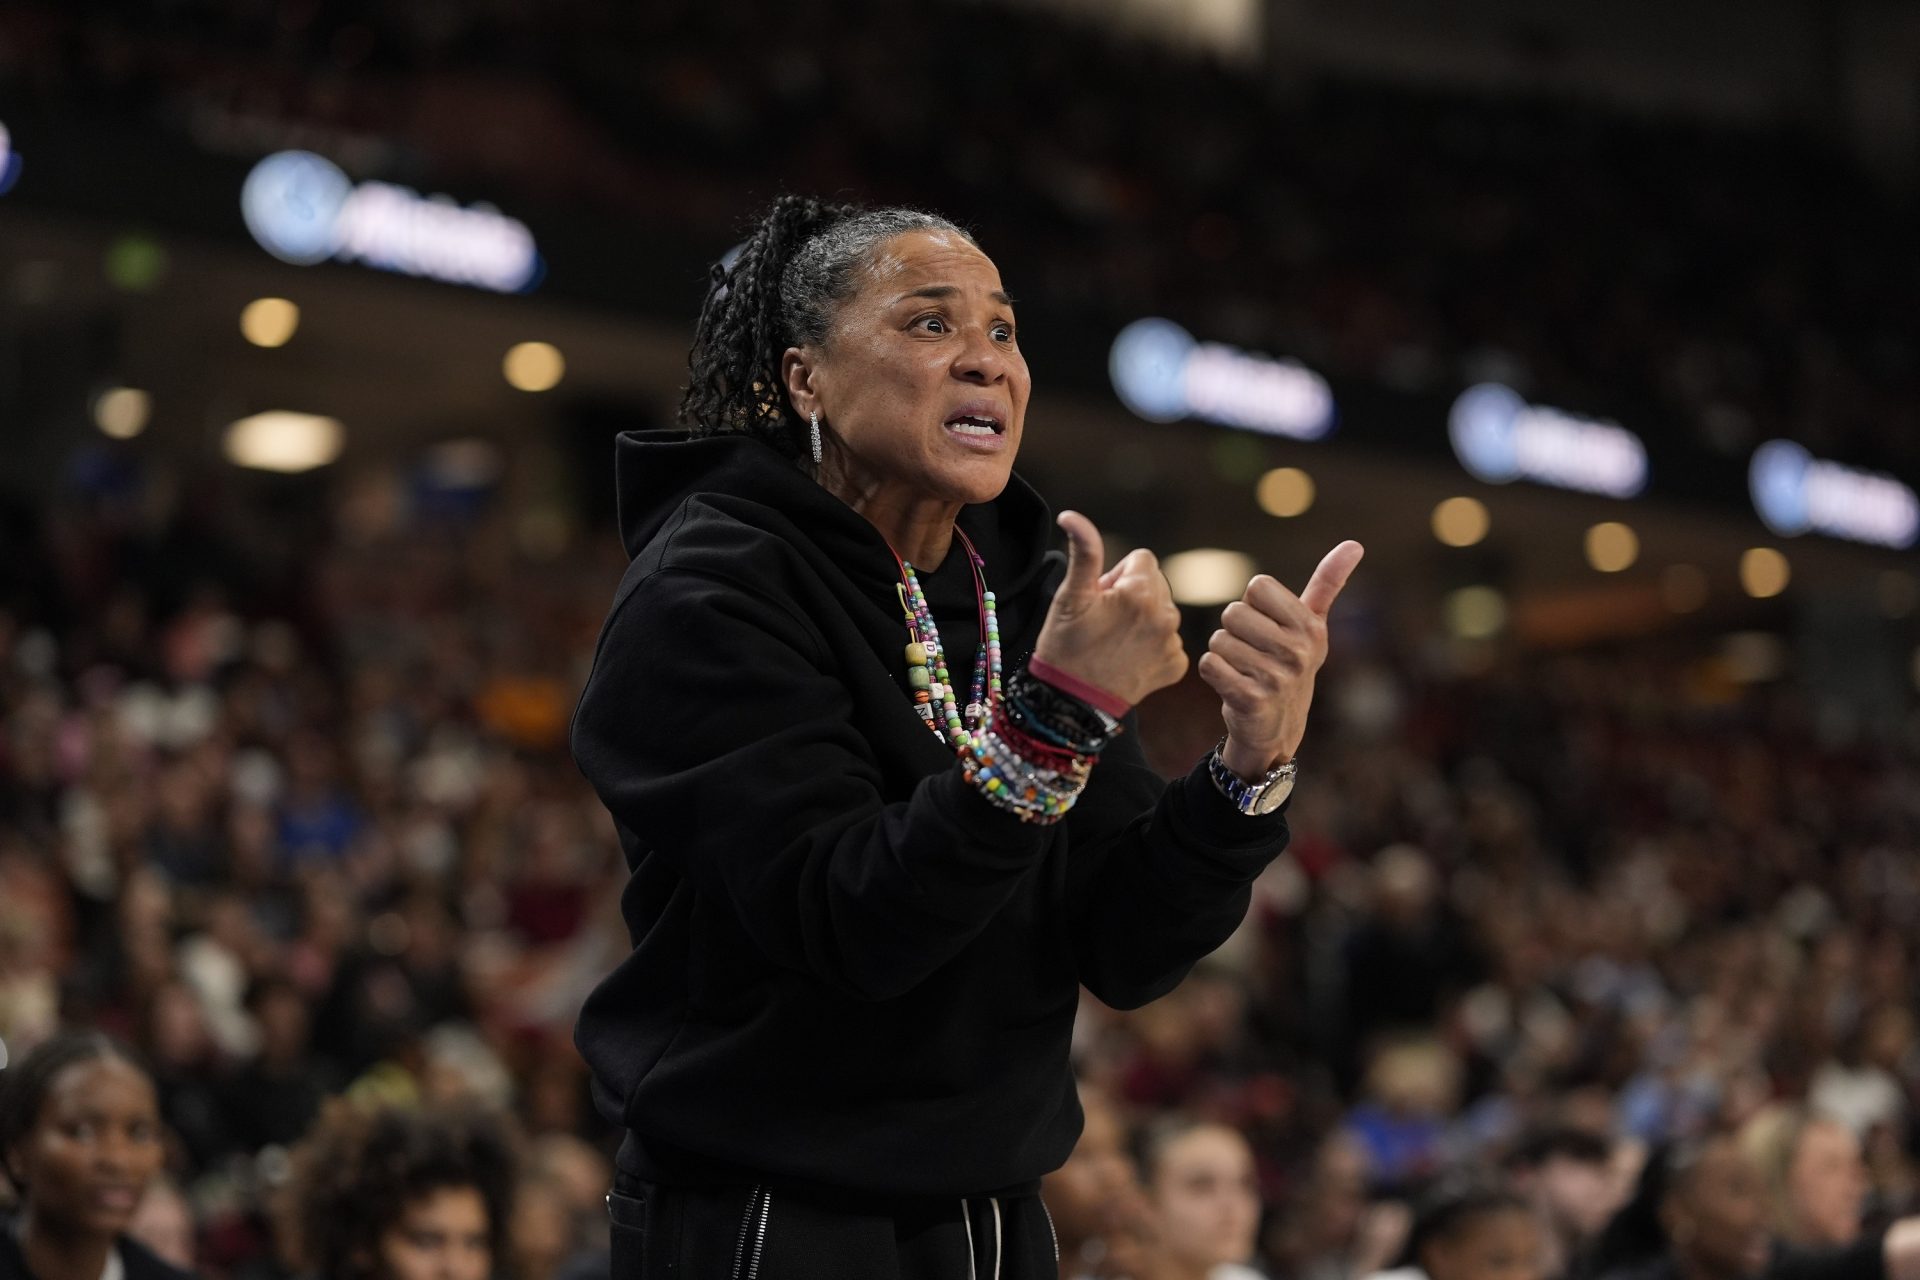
1162	373
9	161
303	209
1499	437
1795	492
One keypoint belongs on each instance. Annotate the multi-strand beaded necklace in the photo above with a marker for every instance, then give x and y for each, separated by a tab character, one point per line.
927	671
1037	780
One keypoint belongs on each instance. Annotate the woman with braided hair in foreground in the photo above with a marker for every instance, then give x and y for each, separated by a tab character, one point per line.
866	743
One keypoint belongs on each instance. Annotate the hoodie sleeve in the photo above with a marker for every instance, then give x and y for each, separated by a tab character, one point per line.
714	730
1162	874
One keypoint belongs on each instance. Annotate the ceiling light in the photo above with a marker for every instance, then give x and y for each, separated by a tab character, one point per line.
269	322
122	412
1612	546
1285	492
284	441
1460	522
1207	575
1764	572
534	366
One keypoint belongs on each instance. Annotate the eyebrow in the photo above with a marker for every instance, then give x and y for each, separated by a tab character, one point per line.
948	291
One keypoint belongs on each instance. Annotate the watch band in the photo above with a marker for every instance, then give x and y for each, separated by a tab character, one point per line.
1247	797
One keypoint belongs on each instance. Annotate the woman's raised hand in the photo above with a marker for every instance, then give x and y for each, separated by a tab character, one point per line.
1263	659
1118	630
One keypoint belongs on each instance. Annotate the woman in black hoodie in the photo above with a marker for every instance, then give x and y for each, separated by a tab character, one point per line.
846	713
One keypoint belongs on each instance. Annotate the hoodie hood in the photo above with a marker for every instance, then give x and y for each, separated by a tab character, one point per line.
657	472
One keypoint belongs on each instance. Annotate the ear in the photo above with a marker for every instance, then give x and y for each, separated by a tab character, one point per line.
797	371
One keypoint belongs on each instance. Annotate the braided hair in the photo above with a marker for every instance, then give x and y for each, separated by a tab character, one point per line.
782	290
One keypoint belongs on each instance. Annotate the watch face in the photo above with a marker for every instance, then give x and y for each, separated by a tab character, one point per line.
1274	796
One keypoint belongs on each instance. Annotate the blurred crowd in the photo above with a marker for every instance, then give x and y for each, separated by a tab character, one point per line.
293	815
1722	285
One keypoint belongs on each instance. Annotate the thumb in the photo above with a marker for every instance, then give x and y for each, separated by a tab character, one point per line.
1324	587
1086	553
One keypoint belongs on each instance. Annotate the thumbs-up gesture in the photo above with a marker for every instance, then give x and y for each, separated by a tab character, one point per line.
1263	659
1118	630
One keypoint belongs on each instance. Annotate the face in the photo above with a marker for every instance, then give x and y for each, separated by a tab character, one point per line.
1505	1245
1204	1198
1826	1185
919	358
1097	1185
1716	1217
95	1148
443	1235
1578	1195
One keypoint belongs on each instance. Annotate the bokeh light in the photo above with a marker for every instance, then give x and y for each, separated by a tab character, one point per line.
534	366
1461	522
1285	492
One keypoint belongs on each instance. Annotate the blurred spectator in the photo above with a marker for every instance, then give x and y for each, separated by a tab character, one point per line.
81	1143
391	1193
1813	1174
1700	1210
1566	1175
1203	1200
1095	1201
1473	1231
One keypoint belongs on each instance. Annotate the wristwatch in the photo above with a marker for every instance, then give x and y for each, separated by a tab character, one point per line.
1252	798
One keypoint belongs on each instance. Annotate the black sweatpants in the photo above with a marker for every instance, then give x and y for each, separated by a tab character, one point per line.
754	1233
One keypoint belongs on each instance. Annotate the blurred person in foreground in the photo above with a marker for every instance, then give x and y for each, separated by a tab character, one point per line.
82	1144
1473	1231
876	847
1567	1176
1335	1228
1095	1201
399	1193
1814	1175
1699	1212
1203	1201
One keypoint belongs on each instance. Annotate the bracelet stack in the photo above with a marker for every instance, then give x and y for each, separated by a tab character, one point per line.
1037	748
1029	778
1041	711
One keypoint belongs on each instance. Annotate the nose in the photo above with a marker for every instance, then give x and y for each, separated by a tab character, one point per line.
980	361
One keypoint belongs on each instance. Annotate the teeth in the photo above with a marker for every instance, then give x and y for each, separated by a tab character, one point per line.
970	427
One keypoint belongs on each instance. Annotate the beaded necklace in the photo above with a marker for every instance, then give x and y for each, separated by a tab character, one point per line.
927	658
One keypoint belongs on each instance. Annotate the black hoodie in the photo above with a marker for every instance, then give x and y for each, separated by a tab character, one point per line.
850	971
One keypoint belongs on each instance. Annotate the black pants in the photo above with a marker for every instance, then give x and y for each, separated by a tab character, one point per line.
753	1233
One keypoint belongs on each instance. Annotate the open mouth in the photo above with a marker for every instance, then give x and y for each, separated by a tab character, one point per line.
976	421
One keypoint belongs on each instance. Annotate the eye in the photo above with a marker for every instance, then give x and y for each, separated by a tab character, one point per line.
1003	332
939	323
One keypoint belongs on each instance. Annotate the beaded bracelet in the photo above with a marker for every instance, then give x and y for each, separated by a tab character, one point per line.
1020	783
1056	716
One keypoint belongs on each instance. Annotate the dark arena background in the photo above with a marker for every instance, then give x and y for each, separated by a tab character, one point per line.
1594	320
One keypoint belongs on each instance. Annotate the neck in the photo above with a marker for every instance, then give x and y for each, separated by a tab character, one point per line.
919	528
54	1254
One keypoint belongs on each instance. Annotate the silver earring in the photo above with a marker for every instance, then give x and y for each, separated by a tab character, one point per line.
816	437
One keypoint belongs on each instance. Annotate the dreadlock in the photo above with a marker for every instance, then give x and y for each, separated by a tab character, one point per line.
782	290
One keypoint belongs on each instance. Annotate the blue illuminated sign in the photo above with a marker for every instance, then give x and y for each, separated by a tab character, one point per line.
302	209
1499	437
1795	493
1163	373
9	161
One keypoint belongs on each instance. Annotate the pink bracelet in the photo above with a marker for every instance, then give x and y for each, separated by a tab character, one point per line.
1079	688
